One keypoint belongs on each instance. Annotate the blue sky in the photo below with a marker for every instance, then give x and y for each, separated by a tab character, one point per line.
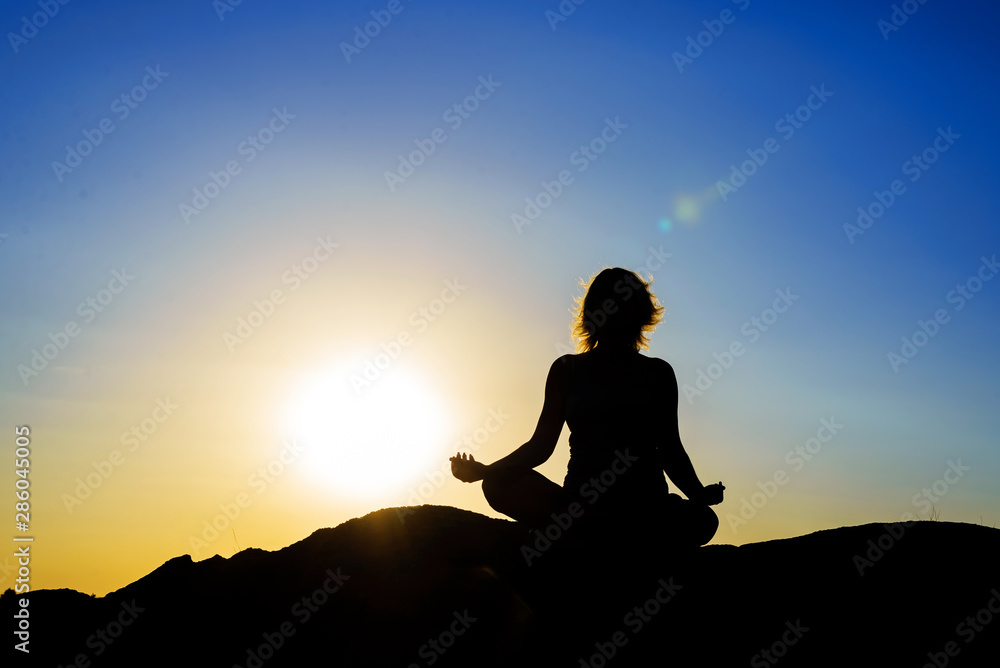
649	199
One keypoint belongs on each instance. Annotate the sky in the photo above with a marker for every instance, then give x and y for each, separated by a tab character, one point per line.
268	266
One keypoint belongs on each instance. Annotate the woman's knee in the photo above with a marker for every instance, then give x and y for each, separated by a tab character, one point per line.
704	523
522	493
498	481
697	522
498	485
711	524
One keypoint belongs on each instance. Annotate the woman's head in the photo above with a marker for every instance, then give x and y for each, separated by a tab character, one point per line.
617	306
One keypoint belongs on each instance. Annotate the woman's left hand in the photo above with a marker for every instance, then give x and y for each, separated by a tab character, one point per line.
466	468
712	494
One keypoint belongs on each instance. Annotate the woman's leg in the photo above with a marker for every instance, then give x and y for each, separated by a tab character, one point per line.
689	523
523	494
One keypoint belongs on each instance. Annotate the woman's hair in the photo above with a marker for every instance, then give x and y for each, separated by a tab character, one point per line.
617	303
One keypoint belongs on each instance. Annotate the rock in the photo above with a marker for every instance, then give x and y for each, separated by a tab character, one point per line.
435	585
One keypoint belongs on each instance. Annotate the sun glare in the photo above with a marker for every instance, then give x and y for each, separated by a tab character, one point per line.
365	440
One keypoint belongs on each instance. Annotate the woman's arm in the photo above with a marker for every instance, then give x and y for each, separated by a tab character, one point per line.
675	460
542	443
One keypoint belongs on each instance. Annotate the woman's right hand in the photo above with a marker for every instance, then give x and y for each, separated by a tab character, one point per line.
712	494
466	468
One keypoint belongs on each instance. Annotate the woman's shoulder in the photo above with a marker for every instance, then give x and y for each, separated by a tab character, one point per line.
657	361
565	360
563	365
570	358
659	365
570	361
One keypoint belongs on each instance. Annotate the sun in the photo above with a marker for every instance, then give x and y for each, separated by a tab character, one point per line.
364	440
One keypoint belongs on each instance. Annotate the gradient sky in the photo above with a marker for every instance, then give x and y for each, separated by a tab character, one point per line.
650	201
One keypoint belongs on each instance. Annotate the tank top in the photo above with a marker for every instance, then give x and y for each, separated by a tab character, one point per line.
615	415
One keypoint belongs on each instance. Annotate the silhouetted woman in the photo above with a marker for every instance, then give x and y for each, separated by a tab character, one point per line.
621	409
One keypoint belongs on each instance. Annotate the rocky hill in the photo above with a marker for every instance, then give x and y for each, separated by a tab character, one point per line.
438	586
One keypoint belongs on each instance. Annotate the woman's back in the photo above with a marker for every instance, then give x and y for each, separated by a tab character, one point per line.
616	410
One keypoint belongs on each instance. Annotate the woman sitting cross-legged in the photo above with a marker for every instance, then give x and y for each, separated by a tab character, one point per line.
621	409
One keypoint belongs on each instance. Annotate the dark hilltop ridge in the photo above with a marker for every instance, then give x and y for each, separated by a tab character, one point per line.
439	586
